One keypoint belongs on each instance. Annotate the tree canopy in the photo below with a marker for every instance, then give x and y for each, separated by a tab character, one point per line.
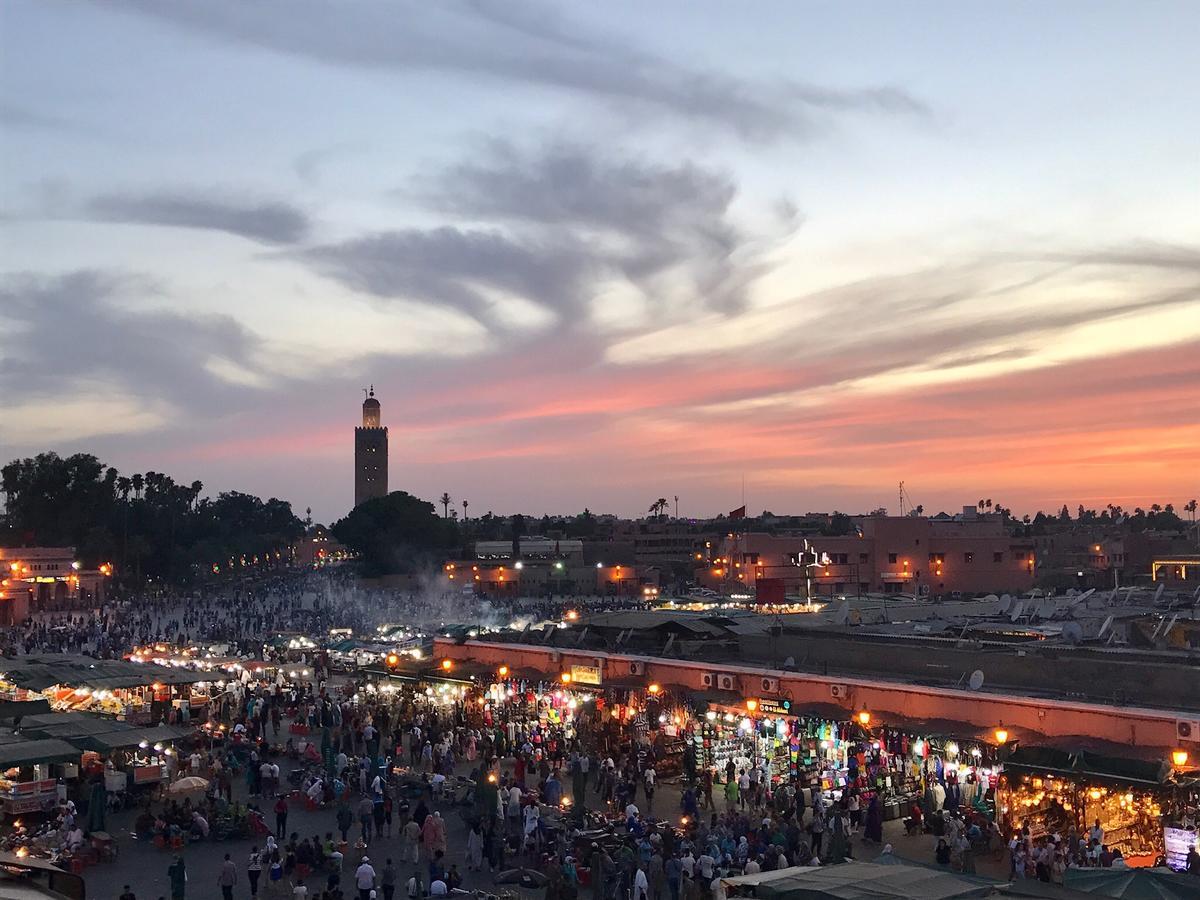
146	523
397	533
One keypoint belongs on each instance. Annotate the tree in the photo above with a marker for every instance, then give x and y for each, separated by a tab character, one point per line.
396	533
445	501
657	507
465	505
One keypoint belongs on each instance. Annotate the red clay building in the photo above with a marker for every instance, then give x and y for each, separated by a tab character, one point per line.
967	554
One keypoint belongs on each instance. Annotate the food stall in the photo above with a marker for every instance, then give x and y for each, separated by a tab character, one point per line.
29	773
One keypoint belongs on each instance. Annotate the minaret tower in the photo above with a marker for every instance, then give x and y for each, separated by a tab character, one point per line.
370	452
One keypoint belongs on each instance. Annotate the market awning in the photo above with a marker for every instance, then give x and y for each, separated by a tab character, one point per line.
119	740
867	881
28	753
1089	765
1133	883
11	709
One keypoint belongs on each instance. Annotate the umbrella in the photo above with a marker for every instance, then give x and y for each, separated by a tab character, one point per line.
188	785
1134	884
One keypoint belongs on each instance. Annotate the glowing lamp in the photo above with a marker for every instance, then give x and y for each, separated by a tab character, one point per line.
502	671
1179	758
566	677
864	717
654	689
1001	735
752	705
447	664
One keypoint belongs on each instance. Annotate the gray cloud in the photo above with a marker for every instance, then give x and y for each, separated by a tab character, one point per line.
270	222
557	226
13	116
532	44
153	354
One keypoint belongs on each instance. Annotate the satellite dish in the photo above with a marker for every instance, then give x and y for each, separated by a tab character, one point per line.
790	662
1072	632
1006	598
842	616
1105	627
1170	625
1162	586
976	681
1017	610
1005	604
991	598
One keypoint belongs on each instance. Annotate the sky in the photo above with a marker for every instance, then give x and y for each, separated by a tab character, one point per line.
590	255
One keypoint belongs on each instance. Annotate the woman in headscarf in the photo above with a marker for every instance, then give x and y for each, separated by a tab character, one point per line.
873	826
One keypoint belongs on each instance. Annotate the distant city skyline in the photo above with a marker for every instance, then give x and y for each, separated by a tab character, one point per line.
591	256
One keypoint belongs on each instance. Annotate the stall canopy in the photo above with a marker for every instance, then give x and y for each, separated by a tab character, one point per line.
863	881
36	673
1134	884
28	753
131	737
1086	765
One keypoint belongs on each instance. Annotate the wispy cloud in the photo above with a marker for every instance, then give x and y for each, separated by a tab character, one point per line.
561	228
269	221
534	44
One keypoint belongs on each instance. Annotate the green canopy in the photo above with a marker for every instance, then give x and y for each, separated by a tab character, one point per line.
1134	884
28	753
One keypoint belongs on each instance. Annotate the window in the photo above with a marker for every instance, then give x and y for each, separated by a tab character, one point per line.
937	558
863	557
891	557
969	557
839	559
998	556
1019	555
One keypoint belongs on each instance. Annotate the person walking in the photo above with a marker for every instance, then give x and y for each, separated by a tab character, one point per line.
177	873
227	878
253	871
388	880
281	814
364	879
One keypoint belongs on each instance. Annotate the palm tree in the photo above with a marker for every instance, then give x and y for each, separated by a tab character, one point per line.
657	507
138	483
465	505
445	501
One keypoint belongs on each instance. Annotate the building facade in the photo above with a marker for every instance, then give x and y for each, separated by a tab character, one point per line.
887	554
370	453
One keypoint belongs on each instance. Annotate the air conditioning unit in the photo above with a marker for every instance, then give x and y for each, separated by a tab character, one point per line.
839	691
636	667
770	685
1187	730
726	682
708	680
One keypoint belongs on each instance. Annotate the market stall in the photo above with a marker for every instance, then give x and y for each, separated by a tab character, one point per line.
30	771
1052	791
858	881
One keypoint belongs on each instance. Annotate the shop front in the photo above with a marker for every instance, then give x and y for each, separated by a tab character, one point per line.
1143	808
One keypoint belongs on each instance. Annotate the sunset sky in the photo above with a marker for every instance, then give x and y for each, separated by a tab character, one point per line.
595	254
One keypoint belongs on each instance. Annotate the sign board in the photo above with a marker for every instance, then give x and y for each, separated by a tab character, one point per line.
148	774
585	675
1178	842
773	707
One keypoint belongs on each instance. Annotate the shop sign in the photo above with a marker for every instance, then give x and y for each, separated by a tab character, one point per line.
1178	842
585	675
774	707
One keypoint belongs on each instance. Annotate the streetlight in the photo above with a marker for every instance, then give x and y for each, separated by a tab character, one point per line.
864	716
1179	758
1001	734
